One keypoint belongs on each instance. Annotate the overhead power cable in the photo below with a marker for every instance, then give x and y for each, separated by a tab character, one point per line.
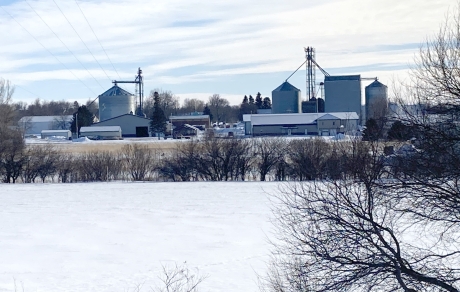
51	53
97	38
70	51
82	40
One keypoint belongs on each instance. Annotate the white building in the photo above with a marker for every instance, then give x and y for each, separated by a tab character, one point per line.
324	124
36	124
101	132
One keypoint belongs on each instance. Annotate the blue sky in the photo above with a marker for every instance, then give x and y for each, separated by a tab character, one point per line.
72	49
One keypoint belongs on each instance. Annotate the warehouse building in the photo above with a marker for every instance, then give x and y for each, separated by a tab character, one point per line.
131	125
311	124
34	125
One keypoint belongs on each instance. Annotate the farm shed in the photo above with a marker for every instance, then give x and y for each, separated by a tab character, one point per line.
102	132
131	125
56	133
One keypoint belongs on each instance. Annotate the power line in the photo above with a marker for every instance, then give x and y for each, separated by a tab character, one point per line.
82	40
27	91
64	44
76	2
48	50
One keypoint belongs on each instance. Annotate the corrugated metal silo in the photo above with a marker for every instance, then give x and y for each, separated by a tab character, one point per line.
286	99
343	94
116	102
376	100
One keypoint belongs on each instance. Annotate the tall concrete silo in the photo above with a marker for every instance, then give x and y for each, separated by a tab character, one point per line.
343	94
376	100
286	99
116	102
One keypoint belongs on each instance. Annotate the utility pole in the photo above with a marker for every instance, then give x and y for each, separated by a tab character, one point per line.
76	122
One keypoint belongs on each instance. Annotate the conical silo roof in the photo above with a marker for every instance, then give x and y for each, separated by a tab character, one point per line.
376	83
286	86
116	91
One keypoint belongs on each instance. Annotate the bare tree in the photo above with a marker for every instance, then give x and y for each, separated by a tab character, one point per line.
179	278
192	105
65	168
347	236
307	158
217	106
268	153
6	109
139	161
169	102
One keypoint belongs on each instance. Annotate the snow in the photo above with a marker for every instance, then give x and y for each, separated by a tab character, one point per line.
116	236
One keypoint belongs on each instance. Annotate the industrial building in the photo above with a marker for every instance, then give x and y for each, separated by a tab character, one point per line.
34	125
376	104
116	102
131	125
286	99
343	93
324	124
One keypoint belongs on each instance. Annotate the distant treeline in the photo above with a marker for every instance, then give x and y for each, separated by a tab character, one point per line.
219	108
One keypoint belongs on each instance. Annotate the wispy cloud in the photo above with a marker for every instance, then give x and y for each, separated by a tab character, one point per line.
183	45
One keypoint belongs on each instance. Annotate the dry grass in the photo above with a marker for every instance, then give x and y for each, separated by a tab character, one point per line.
112	146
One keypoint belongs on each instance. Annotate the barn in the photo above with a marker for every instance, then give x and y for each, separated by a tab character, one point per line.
131	125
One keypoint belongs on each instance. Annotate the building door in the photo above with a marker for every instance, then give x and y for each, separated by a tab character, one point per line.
142	131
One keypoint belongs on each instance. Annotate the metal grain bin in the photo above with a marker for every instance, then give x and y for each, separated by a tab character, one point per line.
116	102
376	100
286	99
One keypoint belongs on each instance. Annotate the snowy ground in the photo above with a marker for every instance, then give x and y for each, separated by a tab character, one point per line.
115	236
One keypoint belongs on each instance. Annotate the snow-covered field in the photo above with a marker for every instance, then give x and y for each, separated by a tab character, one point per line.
116	236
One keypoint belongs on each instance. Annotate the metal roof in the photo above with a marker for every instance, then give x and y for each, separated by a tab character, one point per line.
339	116
130	115
191	117
45	119
376	83
342	78
54	131
286	86
297	119
100	129
115	90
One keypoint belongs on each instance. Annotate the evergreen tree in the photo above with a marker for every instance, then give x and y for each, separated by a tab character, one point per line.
251	99
399	132
372	131
267	103
85	119
158	122
259	102
247	107
207	111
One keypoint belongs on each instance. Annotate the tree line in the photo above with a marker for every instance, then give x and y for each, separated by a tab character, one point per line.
212	159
